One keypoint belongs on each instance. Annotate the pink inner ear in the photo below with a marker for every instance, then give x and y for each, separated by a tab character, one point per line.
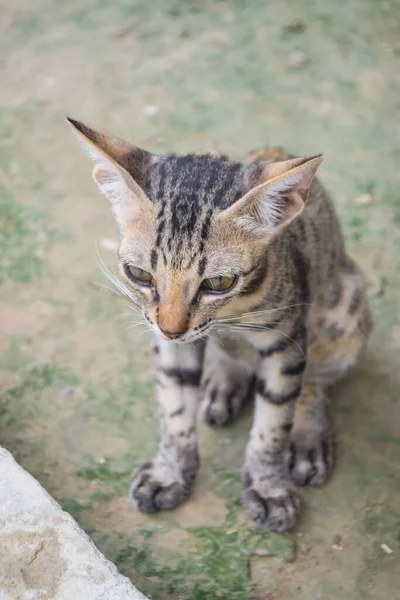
101	175
294	204
303	193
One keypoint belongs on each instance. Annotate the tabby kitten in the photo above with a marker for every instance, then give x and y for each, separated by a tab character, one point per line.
234	255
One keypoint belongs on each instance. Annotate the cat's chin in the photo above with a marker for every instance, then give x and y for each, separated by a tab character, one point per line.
188	338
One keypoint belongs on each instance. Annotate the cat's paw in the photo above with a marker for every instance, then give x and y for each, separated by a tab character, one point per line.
224	395
157	486
310	456
274	508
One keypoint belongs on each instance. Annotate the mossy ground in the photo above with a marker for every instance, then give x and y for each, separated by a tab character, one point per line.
77	406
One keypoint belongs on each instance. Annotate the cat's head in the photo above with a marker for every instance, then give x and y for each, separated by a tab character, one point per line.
193	228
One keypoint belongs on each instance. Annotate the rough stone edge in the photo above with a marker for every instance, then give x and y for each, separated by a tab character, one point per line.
26	506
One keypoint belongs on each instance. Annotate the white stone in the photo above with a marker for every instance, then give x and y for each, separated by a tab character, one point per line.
151	110
363	200
43	552
296	59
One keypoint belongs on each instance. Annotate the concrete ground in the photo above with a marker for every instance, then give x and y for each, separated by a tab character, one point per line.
77	407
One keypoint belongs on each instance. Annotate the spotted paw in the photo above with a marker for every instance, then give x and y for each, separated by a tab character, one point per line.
224	394
310	456
275	509
158	486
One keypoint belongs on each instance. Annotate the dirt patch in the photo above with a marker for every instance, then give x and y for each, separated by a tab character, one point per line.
116	514
189	515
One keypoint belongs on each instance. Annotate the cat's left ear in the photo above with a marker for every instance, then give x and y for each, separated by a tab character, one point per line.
120	170
278	198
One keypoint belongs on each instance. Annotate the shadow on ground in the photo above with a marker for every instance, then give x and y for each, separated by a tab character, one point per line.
77	406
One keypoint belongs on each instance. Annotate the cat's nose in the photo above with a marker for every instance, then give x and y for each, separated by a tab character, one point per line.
173	335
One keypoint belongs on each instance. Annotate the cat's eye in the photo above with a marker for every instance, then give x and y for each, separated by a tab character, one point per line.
138	275
219	284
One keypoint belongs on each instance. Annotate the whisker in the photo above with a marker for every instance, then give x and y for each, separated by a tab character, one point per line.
260	312
220	342
141	333
292	340
123	315
112	277
202	337
106	287
240	327
135	325
139	321
260	323
134	309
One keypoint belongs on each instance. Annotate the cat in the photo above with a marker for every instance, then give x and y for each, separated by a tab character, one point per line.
246	257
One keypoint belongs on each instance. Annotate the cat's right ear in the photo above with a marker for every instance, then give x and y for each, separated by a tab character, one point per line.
120	169
279	197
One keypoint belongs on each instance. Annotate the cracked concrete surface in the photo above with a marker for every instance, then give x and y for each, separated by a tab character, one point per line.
43	552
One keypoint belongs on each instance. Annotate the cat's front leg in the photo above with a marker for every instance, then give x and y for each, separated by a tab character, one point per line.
163	483
269	495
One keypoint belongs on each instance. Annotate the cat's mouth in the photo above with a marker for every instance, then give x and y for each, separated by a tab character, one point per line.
198	332
187	337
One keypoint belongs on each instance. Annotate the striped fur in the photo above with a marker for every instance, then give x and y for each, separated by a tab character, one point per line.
294	320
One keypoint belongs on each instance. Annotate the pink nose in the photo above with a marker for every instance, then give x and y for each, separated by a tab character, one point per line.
172	335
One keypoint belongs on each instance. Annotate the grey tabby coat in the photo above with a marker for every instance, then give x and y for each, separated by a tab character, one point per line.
248	257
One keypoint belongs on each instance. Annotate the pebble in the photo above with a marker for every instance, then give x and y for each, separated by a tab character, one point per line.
150	110
337	542
295	26
296	59
68	392
386	549
363	200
